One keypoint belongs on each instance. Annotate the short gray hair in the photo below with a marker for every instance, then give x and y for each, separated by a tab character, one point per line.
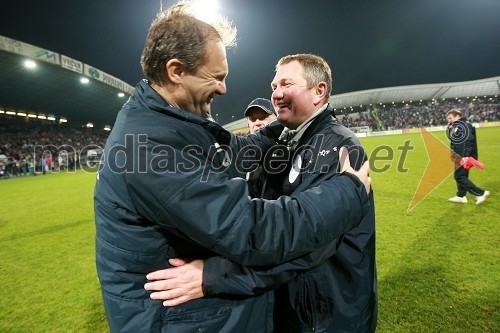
316	69
177	34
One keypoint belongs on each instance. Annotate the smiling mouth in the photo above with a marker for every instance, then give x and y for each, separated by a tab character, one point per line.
282	106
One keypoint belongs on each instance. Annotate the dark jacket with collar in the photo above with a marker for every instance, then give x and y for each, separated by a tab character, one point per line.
333	289
164	190
462	136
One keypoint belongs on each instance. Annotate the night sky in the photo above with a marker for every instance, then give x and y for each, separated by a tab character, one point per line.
368	44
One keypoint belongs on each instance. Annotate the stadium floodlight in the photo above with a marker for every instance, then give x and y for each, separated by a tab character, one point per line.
31	115
51	118
62	120
120	94
21	114
2	111
41	116
11	113
89	125
107	128
206	10
30	64
84	80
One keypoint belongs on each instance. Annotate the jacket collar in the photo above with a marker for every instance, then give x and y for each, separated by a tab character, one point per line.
150	99
294	138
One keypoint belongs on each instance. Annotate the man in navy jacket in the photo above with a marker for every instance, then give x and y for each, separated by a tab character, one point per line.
334	288
165	190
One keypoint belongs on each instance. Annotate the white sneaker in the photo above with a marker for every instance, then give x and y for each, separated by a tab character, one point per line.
458	199
481	198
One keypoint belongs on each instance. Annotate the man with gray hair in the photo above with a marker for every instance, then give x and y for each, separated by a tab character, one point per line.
334	288
163	190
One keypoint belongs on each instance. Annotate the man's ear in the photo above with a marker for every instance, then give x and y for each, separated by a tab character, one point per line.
174	70
321	91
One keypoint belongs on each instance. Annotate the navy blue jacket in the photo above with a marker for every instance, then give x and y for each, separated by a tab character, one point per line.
462	137
332	289
164	190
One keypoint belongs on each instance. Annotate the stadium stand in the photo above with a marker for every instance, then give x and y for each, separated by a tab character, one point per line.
422	114
26	148
48	111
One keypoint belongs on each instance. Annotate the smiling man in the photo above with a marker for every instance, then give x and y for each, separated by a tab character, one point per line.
163	190
332	289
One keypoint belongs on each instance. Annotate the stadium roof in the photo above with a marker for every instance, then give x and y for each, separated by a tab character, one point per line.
54	88
422	92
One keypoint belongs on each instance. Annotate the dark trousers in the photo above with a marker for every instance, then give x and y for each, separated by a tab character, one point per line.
464	184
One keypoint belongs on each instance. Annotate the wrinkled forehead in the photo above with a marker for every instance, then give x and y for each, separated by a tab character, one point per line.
215	56
292	71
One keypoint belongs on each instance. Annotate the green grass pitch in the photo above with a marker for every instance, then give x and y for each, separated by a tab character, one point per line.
438	263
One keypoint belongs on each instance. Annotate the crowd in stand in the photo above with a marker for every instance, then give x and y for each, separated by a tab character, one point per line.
36	148
363	119
31	149
423	114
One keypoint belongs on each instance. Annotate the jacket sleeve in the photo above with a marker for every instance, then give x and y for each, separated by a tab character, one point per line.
470	141
223	277
216	212
250	150
262	139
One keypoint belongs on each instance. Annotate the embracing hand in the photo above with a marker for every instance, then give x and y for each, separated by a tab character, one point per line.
178	284
363	173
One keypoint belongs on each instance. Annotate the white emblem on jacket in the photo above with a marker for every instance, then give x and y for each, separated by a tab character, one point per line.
227	158
295	170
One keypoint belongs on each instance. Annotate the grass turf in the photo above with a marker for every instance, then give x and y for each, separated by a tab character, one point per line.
438	263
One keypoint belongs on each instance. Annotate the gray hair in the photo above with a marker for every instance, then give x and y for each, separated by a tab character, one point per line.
316	69
177	34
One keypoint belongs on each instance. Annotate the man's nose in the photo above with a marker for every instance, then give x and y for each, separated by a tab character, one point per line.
277	94
221	88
